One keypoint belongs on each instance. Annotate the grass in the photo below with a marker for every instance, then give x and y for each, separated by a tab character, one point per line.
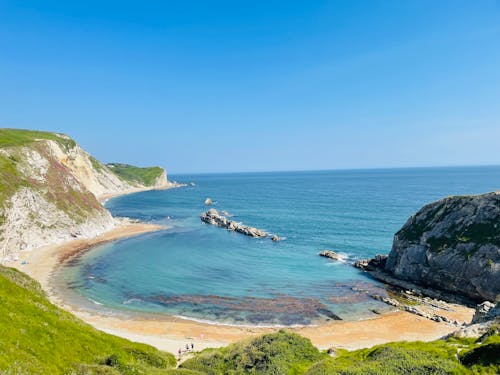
21	137
37	337
136	175
277	353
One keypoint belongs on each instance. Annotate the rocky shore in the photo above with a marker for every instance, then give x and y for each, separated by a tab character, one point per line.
213	217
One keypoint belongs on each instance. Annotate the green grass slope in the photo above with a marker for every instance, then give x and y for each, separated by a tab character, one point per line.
136	175
22	137
37	337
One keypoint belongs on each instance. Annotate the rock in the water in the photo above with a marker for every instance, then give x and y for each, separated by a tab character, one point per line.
330	254
212	217
208	202
453	245
275	238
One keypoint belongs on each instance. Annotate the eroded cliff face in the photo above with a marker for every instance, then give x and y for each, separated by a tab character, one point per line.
95	176
453	245
48	190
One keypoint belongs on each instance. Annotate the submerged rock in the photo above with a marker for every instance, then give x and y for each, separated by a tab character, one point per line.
212	217
208	202
275	238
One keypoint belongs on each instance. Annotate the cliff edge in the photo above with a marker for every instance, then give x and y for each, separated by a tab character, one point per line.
48	190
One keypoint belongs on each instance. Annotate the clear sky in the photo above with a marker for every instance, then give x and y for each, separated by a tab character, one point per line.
215	86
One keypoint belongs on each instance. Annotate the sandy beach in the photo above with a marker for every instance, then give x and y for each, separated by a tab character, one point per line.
170	333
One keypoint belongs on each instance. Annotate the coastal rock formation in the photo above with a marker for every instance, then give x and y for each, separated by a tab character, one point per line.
371	264
213	217
48	189
330	254
452	245
208	202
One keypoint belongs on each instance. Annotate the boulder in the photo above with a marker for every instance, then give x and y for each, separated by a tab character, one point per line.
330	254
208	202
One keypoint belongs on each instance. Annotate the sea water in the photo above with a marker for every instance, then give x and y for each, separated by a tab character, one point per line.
203	272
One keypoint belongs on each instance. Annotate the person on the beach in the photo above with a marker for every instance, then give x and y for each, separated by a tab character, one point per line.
180	353
192	346
187	347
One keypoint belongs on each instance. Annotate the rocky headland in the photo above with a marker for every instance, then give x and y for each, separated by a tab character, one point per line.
450	250
49	190
452	245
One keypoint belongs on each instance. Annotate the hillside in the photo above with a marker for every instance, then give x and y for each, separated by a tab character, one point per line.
48	191
148	176
37	337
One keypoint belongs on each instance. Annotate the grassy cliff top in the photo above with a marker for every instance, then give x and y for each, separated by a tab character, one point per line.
22	137
136	175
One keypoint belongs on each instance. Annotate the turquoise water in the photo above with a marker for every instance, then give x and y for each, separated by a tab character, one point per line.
203	272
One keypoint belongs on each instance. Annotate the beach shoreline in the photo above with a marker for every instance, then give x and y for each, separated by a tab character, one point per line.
169	333
102	198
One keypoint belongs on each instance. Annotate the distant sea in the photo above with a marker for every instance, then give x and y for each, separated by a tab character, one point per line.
205	273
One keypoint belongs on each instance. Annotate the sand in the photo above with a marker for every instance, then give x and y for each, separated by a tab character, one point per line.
171	333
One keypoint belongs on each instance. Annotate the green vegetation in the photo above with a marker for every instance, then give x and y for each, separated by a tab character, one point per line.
21	137
395	358
286	353
476	233
37	337
277	353
10	180
136	175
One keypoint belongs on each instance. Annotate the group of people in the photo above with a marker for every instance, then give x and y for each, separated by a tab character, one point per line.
187	349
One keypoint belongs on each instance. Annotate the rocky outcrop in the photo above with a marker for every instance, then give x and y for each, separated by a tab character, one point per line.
373	264
452	244
330	254
48	189
213	217
486	321
208	202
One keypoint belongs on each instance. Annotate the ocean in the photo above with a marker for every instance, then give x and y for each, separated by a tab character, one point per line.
201	272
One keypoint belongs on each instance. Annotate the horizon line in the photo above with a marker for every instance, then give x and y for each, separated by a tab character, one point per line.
335	169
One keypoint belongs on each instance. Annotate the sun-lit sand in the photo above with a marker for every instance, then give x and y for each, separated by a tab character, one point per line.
171	333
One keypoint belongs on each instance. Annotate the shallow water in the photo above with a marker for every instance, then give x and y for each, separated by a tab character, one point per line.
203	272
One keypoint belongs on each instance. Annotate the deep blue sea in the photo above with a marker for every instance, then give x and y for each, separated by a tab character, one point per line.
203	272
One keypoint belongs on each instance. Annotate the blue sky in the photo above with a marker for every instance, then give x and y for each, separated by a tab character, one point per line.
216	86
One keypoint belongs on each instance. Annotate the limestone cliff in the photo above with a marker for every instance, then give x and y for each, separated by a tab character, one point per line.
48	190
453	245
